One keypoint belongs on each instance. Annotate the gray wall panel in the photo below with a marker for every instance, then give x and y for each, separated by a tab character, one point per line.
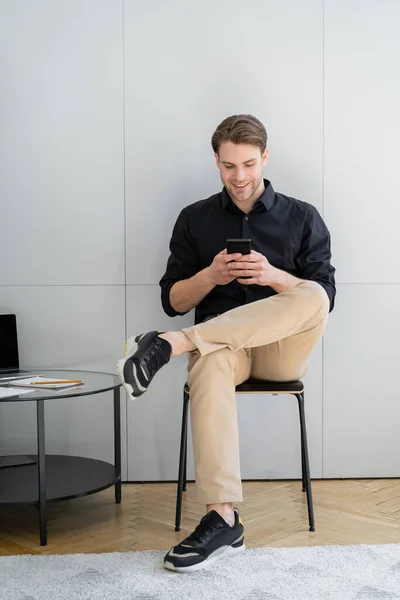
61	142
362	141
201	63
361	395
78	327
154	419
269	425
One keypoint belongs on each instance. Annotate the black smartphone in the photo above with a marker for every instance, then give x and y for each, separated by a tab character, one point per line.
242	245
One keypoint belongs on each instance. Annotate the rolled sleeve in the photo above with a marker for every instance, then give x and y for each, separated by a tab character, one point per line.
314	259
182	263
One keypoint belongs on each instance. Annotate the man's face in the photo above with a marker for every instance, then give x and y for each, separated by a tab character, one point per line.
241	168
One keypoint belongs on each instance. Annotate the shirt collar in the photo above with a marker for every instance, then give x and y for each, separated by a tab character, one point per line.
267	197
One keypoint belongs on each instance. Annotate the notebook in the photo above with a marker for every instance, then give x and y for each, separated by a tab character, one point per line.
6	392
50	383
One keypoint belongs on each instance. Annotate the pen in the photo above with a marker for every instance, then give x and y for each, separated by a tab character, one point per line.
56	382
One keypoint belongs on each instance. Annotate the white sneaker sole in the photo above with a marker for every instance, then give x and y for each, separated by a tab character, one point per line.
229	551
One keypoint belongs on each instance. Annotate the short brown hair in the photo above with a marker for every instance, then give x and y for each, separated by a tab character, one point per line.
240	129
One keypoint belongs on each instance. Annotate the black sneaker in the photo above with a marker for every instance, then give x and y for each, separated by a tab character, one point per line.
144	356
212	539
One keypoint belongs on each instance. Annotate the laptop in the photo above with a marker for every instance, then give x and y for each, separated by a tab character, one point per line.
9	357
9	370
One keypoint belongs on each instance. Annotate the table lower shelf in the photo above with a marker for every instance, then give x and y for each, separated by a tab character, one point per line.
67	477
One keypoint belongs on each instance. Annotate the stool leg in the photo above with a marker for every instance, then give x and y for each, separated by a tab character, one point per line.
182	456
185	465
303	472
300	399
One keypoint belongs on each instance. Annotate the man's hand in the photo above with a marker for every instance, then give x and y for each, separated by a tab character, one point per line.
256	267
220	270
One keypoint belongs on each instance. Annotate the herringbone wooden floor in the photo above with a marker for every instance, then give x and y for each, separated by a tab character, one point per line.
274	515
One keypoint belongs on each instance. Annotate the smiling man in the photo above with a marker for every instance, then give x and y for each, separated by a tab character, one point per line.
256	315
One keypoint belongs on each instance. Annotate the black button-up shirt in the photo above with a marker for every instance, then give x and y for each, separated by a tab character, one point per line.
288	232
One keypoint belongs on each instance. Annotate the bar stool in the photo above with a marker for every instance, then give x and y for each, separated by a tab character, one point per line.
251	386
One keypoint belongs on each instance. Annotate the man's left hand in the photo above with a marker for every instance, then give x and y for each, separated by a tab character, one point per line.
255	267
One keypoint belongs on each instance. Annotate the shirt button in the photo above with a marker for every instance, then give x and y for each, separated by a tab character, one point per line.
246	218
245	288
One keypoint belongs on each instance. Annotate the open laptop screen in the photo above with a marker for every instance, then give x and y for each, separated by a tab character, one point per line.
8	343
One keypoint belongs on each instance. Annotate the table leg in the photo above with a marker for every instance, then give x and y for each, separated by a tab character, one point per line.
117	442
41	454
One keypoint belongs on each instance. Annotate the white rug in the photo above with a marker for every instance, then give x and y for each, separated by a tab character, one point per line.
320	573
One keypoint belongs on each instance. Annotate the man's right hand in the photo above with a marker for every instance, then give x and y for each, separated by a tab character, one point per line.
188	293
219	270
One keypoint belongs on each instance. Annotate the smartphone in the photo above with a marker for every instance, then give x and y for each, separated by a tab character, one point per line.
239	245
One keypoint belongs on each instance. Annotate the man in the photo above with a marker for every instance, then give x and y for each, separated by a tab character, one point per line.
257	315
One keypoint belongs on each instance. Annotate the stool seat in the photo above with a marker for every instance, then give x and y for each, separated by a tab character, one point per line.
260	386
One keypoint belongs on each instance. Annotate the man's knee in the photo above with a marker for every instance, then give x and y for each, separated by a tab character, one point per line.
315	297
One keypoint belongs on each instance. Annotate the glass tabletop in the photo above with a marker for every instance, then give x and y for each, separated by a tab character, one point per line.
94	383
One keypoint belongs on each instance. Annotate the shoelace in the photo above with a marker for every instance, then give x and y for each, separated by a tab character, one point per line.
203	531
154	359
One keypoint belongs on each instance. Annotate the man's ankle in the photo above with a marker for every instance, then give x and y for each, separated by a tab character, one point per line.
225	510
178	341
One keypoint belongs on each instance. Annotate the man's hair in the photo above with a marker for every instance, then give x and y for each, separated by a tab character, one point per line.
240	129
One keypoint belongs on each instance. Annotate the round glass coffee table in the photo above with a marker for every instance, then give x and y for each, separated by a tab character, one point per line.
40	478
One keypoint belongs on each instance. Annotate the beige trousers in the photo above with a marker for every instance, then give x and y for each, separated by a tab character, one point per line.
268	339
